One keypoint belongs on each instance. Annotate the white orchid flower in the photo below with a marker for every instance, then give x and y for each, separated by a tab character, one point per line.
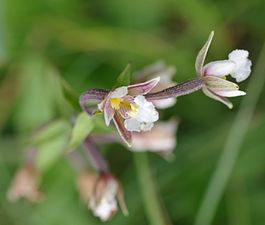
214	73
129	109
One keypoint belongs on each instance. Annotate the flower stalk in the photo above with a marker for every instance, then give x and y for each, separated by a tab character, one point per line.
152	203
94	155
181	89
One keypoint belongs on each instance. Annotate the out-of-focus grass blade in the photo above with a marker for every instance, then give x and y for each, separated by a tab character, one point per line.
49	131
37	98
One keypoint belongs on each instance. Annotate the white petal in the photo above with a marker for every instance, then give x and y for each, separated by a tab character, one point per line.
147	126
243	64
165	103
219	68
146	111
107	204
216	97
140	100
119	92
132	124
104	209
230	93
238	54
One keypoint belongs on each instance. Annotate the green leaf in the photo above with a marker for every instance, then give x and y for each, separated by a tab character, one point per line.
70	96
50	131
82	128
125	77
51	142
50	151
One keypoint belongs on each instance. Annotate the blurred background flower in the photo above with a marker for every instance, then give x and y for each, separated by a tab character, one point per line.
51	49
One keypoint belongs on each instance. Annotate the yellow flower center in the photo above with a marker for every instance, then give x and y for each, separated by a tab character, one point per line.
134	110
115	103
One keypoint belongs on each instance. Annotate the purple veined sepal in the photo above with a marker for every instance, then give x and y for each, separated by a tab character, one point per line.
124	133
143	88
96	94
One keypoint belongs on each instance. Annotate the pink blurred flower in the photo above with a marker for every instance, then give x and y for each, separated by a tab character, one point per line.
159	69
85	184
25	185
161	139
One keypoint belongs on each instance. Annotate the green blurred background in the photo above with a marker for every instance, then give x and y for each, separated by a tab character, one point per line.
88	43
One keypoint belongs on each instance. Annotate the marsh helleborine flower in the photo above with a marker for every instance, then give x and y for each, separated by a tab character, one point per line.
103	202
129	104
132	108
126	106
214	73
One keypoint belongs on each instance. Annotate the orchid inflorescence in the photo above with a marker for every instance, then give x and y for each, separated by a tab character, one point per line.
133	108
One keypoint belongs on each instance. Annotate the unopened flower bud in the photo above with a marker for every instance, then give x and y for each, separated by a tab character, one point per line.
107	191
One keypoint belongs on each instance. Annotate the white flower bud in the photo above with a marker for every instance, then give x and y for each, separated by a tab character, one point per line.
103	202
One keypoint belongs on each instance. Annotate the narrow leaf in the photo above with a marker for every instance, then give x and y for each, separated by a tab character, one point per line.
51	142
70	96
50	131
83	126
125	77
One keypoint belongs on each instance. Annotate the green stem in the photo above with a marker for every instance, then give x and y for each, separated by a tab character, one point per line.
152	204
229	156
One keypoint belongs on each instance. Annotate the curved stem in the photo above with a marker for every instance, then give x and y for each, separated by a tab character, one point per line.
94	155
180	89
